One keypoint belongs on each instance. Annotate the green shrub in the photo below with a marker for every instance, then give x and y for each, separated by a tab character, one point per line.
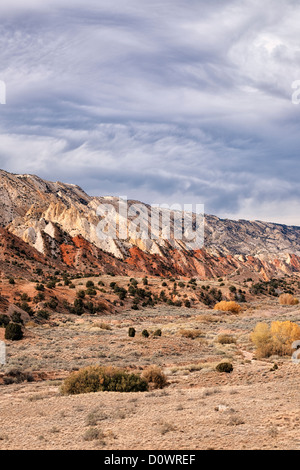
157	332
90	284
4	320
122	293
80	294
145	334
13	332
16	376
224	367
42	315
91	307
16	318
24	306
52	304
78	308
39	297
92	292
11	280
25	297
102	379
131	332
51	284
40	287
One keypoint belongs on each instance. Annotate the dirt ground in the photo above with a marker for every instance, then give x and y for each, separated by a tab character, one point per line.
260	414
254	407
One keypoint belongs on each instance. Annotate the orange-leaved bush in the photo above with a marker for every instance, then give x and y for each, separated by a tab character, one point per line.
230	306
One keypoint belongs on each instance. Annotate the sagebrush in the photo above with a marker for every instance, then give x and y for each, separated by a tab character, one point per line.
102	379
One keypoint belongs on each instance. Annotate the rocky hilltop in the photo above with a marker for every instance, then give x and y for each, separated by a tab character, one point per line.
56	225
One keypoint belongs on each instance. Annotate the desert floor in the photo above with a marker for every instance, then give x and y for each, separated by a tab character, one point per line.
254	407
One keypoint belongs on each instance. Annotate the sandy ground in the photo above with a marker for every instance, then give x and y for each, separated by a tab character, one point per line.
254	407
263	414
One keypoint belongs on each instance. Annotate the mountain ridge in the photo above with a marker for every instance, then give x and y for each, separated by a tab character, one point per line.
57	219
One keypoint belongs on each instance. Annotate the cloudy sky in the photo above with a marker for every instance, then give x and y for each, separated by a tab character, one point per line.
165	101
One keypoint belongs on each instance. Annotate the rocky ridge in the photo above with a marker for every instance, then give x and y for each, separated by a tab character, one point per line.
59	222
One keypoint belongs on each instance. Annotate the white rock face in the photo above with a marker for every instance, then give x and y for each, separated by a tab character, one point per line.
38	211
51	230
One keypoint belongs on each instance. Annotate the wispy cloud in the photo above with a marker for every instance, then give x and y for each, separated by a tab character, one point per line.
162	101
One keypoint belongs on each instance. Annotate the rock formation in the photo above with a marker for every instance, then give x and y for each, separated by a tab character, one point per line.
57	225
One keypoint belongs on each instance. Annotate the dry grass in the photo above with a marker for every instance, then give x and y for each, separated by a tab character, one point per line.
192	334
103	326
226	339
155	377
206	318
288	299
192	412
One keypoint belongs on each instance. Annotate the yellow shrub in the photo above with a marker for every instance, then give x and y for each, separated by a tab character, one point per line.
288	299
276	339
283	335
230	306
262	338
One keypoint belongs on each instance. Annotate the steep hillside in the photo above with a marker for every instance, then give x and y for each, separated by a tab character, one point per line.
58	224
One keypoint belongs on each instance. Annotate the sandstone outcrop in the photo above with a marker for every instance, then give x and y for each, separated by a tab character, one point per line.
60	224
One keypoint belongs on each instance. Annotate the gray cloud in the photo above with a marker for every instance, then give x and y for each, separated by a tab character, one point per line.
160	101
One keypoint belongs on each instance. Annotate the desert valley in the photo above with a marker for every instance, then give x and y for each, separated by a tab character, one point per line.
193	348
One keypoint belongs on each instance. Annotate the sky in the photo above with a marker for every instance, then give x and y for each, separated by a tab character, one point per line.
161	101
